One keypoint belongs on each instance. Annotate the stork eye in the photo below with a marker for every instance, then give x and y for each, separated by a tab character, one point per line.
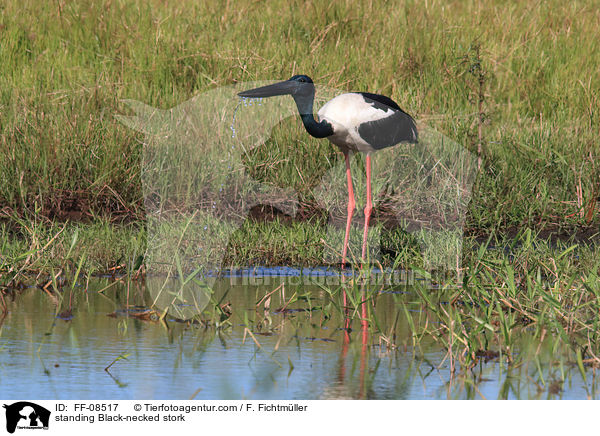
301	79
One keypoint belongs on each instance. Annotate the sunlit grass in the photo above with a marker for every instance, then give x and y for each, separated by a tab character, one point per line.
65	74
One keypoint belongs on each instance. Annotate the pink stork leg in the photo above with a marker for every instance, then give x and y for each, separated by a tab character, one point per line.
368	208
351	205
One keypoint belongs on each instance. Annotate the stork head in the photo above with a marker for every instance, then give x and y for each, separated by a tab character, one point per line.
298	86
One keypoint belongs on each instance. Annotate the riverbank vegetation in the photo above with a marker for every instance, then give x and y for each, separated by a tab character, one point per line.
514	84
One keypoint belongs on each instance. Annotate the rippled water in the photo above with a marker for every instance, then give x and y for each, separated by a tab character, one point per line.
302	355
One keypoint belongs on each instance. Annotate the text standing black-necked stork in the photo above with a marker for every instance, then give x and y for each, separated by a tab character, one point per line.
356	121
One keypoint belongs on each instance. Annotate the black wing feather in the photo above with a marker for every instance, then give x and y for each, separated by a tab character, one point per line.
388	131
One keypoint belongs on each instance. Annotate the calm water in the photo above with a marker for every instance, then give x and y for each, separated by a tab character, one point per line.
303	355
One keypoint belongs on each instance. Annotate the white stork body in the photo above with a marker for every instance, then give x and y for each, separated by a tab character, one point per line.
351	114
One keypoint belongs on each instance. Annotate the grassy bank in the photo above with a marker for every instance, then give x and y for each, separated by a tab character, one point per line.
517	81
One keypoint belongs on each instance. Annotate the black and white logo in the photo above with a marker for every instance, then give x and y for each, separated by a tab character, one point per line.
26	415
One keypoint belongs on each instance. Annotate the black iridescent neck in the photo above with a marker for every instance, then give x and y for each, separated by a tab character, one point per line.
305	107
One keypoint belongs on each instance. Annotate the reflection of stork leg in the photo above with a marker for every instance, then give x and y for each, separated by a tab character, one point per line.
363	365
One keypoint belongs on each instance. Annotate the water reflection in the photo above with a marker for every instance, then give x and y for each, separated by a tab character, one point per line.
298	350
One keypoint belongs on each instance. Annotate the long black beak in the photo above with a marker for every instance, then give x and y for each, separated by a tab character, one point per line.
281	88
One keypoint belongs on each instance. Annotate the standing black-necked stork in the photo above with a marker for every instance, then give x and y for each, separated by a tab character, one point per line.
356	121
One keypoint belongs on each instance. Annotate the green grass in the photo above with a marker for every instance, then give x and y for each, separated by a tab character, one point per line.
65	73
68	249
